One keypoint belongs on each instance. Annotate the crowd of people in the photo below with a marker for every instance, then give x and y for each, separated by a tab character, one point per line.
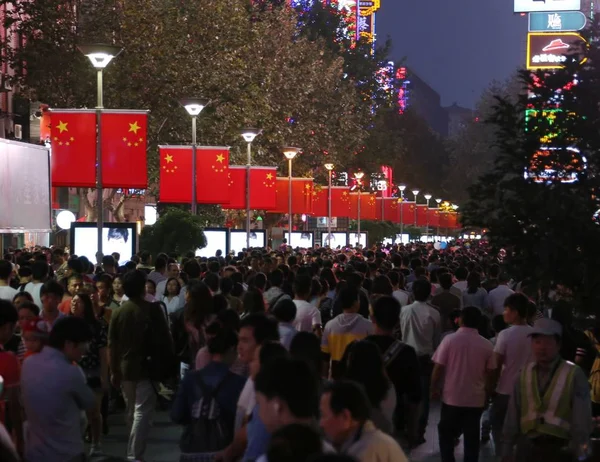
283	355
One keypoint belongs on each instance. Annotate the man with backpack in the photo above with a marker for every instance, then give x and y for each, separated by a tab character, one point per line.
401	364
141	355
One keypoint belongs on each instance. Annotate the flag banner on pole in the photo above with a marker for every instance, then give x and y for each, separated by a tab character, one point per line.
453	220
302	196
422	214
434	217
263	191
124	142
73	138
320	201
391	209
444	219
368	204
341	205
175	181
408	213
212	170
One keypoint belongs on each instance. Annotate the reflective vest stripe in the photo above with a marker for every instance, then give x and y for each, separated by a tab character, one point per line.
550	416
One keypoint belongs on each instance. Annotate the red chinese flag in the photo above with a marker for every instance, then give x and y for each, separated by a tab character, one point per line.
434	217
408	213
320	201
443	220
175	174
340	202
453	220
263	191
422	215
391	209
124	144
212	167
368	206
73	160
302	196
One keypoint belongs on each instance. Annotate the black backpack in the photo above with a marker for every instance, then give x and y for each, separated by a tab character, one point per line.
210	431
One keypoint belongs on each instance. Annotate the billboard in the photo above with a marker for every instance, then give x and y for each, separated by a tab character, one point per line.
353	239
237	239
529	6
563	21
338	239
552	50
116	237
301	239
216	239
24	188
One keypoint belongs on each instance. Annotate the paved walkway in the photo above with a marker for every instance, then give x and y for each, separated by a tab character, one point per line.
164	442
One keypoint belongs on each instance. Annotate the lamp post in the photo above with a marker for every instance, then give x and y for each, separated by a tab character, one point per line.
415	193
439	201
402	187
99	55
194	107
358	176
329	168
428	198
384	188
290	153
248	134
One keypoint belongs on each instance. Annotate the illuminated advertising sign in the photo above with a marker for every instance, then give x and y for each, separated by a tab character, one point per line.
556	21
545	168
529	6
551	51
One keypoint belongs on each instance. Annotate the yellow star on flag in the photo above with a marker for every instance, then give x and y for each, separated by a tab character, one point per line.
72	138
269	176
134	127
220	158
62	126
125	139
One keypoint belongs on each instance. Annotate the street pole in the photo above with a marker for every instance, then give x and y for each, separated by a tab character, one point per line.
402	216
358	221
248	164
329	212
290	200
194	160
99	200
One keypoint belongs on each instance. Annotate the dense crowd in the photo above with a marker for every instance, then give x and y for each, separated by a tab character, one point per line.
292	355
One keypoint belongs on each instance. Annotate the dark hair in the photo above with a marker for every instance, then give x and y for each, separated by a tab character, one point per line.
108	260
307	346
382	286
5	269
294	443
445	280
134	283
201	304
118	233
498	324
350	396
226	285
473	282
302	284
258	281
292	381
25	271
192	269
519	303
386	312
151	282
276	277
69	329
88	312
270	351
167	284
264	328
421	289
471	317
285	310
28	305
253	301
229	319
8	313
223	341
348	296
160	263
52	287
39	270
461	273
212	281
365	366
25	294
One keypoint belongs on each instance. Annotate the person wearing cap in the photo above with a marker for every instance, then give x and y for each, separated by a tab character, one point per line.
549	416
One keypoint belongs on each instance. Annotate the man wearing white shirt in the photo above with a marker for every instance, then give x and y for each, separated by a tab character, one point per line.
6	291
461	284
421	328
39	272
308	317
497	296
512	352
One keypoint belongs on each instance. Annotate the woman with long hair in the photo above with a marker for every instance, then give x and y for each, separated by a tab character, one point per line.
94	363
253	302
118	292
364	364
171	295
197	314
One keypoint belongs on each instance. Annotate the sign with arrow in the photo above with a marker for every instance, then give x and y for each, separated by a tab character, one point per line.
564	21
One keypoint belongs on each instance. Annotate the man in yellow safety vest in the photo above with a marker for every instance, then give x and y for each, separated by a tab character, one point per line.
549	417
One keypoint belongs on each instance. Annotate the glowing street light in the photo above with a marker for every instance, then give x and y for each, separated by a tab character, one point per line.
289	153
248	134
194	107
358	176
329	168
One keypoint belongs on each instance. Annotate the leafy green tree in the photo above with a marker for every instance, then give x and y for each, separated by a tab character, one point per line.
175	231
545	219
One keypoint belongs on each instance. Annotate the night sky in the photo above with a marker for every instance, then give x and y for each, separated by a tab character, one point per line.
457	46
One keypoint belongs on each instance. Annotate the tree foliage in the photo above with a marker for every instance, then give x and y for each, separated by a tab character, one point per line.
545	222
175	231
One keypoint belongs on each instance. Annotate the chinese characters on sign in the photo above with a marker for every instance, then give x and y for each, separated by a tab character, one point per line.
564	21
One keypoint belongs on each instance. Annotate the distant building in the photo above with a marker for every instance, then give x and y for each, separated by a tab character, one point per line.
458	117
417	94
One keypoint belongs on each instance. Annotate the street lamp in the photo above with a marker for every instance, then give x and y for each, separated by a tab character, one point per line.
99	55
248	134
439	201
402	187
290	153
329	168
415	193
428	198
194	107
358	176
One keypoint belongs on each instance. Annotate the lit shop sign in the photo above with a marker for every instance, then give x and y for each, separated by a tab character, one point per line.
557	21
545	167
529	6
551	51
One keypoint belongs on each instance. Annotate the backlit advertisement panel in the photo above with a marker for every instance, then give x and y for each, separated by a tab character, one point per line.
529	6
552	50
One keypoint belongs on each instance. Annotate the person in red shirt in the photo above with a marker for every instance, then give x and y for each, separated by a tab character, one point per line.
10	409
73	287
